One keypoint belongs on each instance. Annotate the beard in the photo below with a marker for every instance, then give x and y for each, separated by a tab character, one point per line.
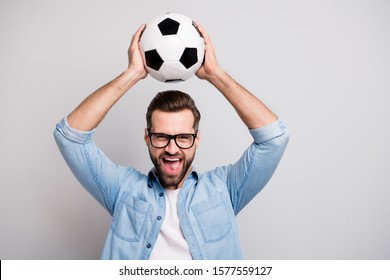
170	180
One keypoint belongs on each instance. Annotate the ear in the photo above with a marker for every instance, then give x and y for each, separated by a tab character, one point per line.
197	139
146	137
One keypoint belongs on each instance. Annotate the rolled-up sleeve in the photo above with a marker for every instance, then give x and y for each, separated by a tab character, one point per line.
269	132
87	163
72	134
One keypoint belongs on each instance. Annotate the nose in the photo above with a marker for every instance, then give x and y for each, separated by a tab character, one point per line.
172	148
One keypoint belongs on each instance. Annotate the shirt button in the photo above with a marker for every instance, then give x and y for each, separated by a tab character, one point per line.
158	217
161	194
148	246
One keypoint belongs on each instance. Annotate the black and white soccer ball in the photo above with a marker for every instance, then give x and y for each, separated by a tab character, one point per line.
172	48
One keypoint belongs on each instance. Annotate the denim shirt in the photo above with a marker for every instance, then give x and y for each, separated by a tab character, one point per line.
207	204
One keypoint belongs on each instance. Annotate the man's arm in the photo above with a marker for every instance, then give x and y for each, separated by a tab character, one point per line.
256	166
250	109
95	171
93	109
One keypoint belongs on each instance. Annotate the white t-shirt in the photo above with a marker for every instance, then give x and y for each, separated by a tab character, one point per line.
170	244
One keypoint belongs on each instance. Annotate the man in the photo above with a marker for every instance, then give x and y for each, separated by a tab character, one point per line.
173	212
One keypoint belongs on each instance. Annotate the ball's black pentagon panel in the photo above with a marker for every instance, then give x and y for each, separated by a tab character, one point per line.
189	57
153	60
173	80
168	26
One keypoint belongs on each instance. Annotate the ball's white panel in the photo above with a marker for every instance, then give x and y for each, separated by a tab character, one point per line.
170	48
191	71
151	37
156	20
201	52
180	18
142	52
156	74
190	36
172	70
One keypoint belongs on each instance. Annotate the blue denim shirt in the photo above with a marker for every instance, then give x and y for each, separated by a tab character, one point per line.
207	204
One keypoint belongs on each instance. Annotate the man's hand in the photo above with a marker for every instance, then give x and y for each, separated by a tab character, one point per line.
136	64
250	109
93	109
210	65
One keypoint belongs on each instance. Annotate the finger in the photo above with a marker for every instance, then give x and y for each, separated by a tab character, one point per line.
203	32
138	34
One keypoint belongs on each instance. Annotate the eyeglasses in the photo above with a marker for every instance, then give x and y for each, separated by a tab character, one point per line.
161	140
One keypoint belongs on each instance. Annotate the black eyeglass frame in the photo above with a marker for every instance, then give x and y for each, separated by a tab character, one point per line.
170	137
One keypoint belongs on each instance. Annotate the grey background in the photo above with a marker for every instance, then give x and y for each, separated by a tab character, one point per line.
323	66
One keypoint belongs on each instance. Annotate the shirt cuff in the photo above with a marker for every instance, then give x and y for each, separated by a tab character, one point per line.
269	131
72	134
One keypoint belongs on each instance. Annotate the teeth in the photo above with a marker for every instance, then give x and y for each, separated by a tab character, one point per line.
172	159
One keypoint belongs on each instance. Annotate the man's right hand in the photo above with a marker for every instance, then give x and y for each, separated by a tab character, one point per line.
136	64
94	108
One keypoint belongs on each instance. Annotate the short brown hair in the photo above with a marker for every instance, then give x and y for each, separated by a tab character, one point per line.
172	101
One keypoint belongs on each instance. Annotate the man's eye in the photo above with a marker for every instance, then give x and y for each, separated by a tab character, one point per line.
160	137
184	137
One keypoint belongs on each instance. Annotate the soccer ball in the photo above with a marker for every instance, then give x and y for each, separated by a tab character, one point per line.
172	48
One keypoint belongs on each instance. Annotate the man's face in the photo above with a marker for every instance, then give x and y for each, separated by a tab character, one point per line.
172	163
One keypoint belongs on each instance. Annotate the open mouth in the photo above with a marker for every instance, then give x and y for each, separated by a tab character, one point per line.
172	164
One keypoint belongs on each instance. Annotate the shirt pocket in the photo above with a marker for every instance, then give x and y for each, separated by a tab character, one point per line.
129	219
212	218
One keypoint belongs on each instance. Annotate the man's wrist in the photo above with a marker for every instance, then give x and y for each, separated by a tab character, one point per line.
217	76
220	79
128	78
